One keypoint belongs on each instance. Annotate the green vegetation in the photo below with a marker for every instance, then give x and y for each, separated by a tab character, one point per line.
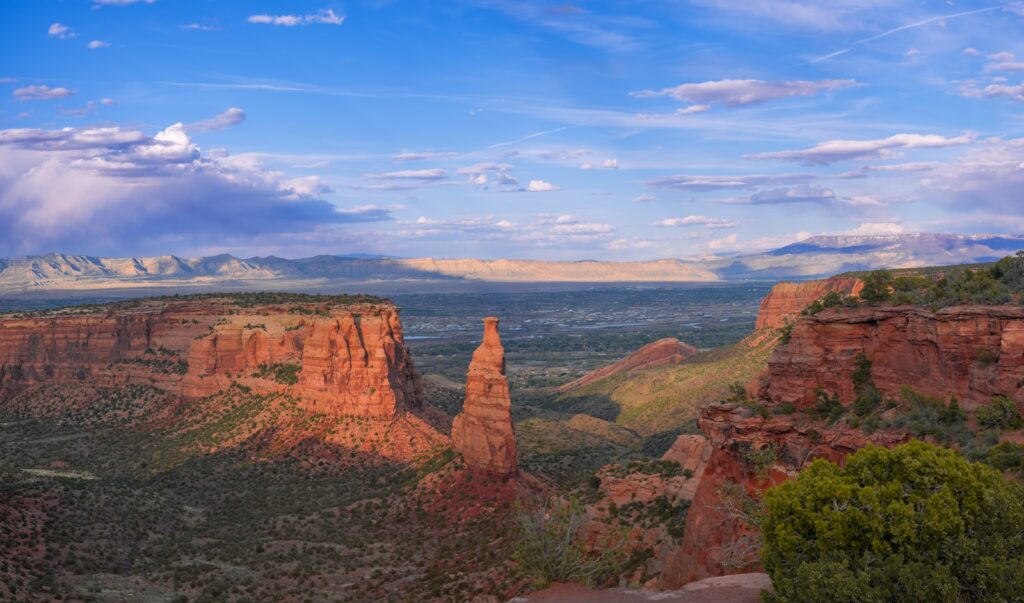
915	523
549	549
1002	413
991	284
284	373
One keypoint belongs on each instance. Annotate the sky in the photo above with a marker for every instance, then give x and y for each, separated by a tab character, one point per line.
618	130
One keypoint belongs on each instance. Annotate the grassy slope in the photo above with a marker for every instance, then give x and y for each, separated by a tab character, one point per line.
662	398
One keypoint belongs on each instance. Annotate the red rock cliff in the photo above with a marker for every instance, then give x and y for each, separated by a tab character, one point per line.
659	353
350	360
483	432
972	352
786	300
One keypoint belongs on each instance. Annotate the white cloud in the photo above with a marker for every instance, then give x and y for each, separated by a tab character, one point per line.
842	150
643	198
581	229
834	15
712	183
695	220
807	193
132	192
201	27
429	174
877	228
94	44
325	16
61	31
230	117
737	93
541	186
726	242
628	244
610	164
107	101
990	176
586	167
692	109
41	93
481	168
410	156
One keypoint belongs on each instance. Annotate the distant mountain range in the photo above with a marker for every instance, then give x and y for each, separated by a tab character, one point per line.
813	257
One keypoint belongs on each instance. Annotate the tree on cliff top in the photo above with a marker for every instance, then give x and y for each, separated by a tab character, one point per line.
914	523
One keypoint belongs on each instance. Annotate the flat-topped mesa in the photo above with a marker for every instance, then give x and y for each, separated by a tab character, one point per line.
787	300
336	355
483	432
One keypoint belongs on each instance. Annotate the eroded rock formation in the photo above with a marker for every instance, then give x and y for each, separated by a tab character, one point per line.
664	351
786	300
972	352
749	453
483	432
339	360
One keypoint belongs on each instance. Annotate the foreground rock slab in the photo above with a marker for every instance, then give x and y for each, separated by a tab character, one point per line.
738	588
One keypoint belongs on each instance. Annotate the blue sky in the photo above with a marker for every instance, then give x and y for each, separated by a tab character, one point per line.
501	128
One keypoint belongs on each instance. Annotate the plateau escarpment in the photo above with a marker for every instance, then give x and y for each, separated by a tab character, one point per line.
971	352
338	357
787	300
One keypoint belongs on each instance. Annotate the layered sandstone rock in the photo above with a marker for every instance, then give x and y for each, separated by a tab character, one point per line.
749	454
483	432
972	352
786	300
349	359
659	353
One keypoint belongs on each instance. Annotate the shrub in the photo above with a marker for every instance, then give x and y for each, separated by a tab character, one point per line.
915	523
1006	456
549	548
1001	414
877	285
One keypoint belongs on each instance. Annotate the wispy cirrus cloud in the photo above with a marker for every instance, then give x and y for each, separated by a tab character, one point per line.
727	182
324	16
422	155
832	151
695	220
230	117
741	92
427	174
34	92
808	193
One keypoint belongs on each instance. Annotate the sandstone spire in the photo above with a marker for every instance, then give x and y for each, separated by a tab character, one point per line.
483	430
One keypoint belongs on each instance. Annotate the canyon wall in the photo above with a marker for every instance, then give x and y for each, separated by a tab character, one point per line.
786	300
972	352
347	359
483	432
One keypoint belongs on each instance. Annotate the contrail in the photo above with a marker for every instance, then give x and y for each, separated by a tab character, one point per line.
928	21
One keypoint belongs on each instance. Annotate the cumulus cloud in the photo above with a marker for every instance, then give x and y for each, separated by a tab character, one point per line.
231	117
325	16
877	228
738	93
713	183
610	164
695	220
60	31
121	187
41	93
1004	61
94	44
808	193
842	150
988	177
541	186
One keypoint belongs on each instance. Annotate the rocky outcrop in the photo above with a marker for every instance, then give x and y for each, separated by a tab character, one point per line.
750	453
336	359
972	352
659	353
483	432
786	300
